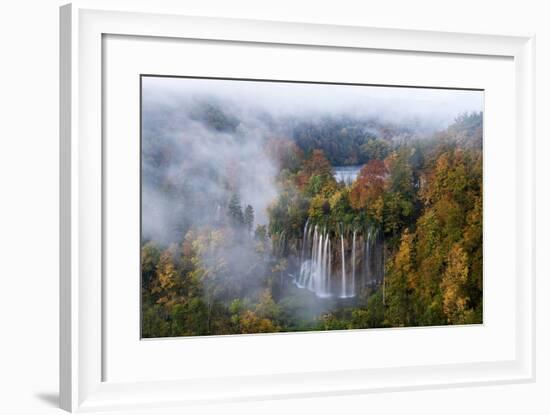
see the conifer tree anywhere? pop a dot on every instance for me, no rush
(235, 211)
(249, 218)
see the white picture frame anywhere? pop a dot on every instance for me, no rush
(84, 25)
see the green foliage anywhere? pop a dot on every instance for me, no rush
(235, 211)
(399, 201)
(345, 140)
(424, 195)
(467, 130)
(373, 316)
(289, 212)
(436, 277)
(150, 255)
(286, 153)
(399, 281)
(213, 116)
(248, 218)
(376, 149)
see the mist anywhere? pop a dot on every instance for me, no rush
(185, 150)
(181, 155)
(222, 186)
(434, 108)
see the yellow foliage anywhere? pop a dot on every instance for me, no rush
(166, 271)
(251, 323)
(456, 275)
(316, 208)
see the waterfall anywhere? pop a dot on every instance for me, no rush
(281, 243)
(304, 242)
(326, 267)
(316, 261)
(316, 257)
(343, 295)
(353, 264)
(329, 267)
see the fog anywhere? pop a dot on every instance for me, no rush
(434, 107)
(207, 137)
(181, 157)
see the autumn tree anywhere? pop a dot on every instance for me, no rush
(473, 245)
(399, 199)
(150, 255)
(167, 279)
(455, 301)
(398, 283)
(424, 194)
(375, 149)
(368, 189)
(316, 173)
(261, 318)
(288, 213)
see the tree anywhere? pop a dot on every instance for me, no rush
(286, 153)
(340, 209)
(150, 255)
(400, 197)
(319, 208)
(260, 234)
(401, 178)
(261, 318)
(452, 286)
(316, 173)
(249, 218)
(375, 149)
(473, 245)
(166, 279)
(235, 211)
(214, 117)
(423, 196)
(250, 322)
(467, 130)
(288, 213)
(399, 283)
(318, 164)
(369, 186)
(372, 316)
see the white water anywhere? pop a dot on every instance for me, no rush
(366, 266)
(344, 288)
(315, 271)
(316, 262)
(353, 263)
(346, 174)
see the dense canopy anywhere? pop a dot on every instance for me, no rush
(400, 244)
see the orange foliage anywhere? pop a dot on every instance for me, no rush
(369, 185)
(316, 165)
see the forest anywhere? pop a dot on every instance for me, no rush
(256, 221)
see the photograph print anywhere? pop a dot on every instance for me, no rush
(284, 206)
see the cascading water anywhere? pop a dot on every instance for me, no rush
(367, 257)
(353, 263)
(317, 261)
(343, 260)
(304, 243)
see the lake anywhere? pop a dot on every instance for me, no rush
(346, 174)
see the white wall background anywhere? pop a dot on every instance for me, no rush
(29, 197)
